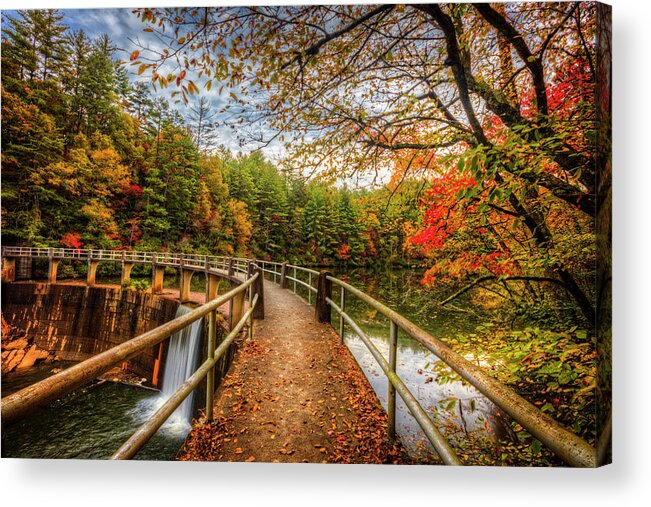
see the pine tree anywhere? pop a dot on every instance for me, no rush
(202, 124)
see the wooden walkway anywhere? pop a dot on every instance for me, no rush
(293, 395)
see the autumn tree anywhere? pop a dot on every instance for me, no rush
(503, 92)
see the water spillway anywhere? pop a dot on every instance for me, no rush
(181, 363)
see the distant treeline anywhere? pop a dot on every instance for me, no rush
(91, 160)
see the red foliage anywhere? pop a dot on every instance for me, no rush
(344, 251)
(440, 221)
(132, 190)
(71, 240)
(572, 84)
(447, 218)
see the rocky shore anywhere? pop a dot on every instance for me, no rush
(19, 351)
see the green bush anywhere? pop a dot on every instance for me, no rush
(137, 285)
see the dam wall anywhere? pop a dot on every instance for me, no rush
(75, 322)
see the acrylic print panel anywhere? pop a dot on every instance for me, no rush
(324, 234)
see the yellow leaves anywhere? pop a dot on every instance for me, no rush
(192, 88)
(180, 77)
(142, 68)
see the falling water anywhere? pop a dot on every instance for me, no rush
(182, 357)
(181, 363)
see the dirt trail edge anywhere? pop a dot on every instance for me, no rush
(293, 394)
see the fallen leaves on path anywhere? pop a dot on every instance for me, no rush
(294, 384)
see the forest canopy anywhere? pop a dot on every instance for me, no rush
(480, 119)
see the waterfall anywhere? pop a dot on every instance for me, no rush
(182, 358)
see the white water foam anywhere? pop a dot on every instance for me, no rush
(181, 363)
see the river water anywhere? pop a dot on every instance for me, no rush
(92, 423)
(457, 408)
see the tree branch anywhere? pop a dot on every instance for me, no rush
(314, 49)
(533, 63)
(507, 279)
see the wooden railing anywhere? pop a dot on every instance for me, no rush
(565, 444)
(572, 449)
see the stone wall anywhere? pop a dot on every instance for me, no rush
(76, 322)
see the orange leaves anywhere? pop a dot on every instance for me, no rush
(134, 55)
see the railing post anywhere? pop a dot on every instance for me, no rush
(231, 267)
(92, 270)
(309, 292)
(185, 282)
(250, 330)
(52, 267)
(342, 305)
(283, 276)
(8, 269)
(157, 278)
(210, 378)
(391, 404)
(258, 288)
(294, 279)
(324, 290)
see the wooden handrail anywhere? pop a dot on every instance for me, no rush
(27, 400)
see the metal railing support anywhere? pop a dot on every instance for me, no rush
(324, 292)
(342, 302)
(210, 378)
(309, 292)
(294, 279)
(258, 290)
(283, 276)
(391, 402)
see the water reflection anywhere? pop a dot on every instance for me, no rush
(456, 408)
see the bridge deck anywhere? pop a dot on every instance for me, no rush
(293, 395)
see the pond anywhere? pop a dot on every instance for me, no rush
(91, 423)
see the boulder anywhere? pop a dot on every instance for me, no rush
(32, 356)
(13, 360)
(20, 343)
